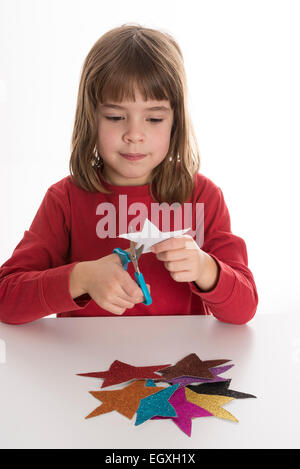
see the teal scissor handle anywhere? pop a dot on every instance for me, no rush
(141, 282)
(125, 259)
(124, 256)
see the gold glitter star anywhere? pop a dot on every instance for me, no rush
(212, 403)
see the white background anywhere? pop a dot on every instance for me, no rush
(242, 64)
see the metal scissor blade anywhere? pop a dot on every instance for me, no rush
(135, 255)
(139, 251)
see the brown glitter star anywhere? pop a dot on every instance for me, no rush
(191, 365)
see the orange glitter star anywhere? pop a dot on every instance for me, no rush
(125, 401)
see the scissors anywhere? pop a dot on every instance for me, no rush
(133, 257)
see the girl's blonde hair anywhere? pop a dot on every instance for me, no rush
(123, 57)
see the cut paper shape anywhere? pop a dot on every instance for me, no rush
(187, 380)
(151, 235)
(120, 372)
(185, 411)
(211, 403)
(125, 401)
(192, 365)
(219, 389)
(156, 405)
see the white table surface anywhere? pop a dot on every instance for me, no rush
(43, 403)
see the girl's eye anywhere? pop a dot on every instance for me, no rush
(117, 119)
(114, 119)
(154, 121)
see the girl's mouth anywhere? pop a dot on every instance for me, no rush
(133, 156)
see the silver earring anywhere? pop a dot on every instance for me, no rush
(97, 160)
(171, 158)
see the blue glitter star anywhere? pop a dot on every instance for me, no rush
(150, 382)
(156, 405)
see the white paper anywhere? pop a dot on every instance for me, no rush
(151, 235)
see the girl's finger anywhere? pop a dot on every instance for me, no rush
(177, 266)
(174, 255)
(175, 243)
(136, 297)
(112, 308)
(130, 288)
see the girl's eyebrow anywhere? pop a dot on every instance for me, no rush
(154, 108)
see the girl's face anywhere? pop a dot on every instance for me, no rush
(132, 127)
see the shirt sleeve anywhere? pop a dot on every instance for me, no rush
(34, 282)
(234, 299)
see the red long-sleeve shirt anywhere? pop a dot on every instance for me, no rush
(69, 227)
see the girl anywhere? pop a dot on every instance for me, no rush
(133, 150)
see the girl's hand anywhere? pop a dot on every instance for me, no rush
(186, 262)
(107, 283)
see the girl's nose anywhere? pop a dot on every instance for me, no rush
(133, 133)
